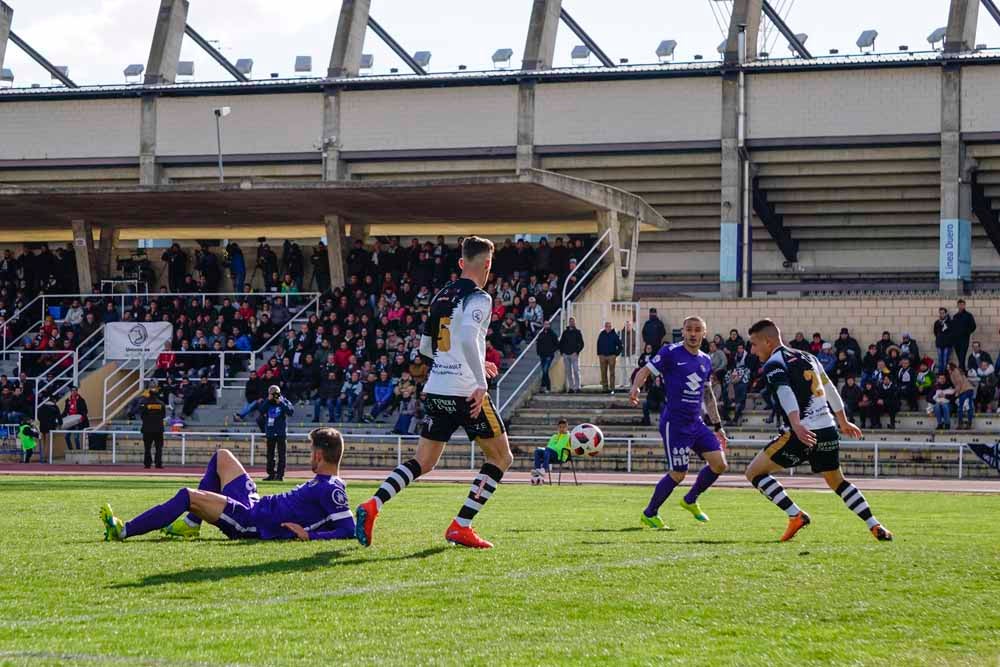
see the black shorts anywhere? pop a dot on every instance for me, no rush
(446, 414)
(788, 451)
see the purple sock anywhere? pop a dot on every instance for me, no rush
(159, 516)
(209, 482)
(705, 479)
(660, 494)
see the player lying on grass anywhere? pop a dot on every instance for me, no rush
(805, 397)
(227, 498)
(686, 372)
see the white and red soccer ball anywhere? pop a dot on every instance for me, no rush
(586, 440)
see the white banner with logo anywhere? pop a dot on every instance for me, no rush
(128, 340)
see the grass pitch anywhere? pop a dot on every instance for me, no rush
(573, 580)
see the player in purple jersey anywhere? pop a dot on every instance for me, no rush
(686, 372)
(227, 498)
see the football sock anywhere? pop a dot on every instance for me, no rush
(856, 502)
(706, 478)
(483, 486)
(398, 479)
(772, 488)
(209, 482)
(159, 516)
(660, 494)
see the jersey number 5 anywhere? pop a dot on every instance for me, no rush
(444, 334)
(817, 387)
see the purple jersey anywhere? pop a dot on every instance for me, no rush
(320, 506)
(685, 378)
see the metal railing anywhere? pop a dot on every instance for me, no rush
(133, 374)
(501, 404)
(398, 440)
(88, 355)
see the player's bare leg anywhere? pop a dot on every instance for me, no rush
(760, 474)
(856, 502)
(499, 458)
(715, 465)
(424, 460)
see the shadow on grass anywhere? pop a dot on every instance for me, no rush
(306, 563)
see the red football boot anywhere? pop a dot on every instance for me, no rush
(465, 536)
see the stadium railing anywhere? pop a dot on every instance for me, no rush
(398, 440)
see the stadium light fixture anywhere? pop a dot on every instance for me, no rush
(980, 47)
(867, 40)
(422, 58)
(937, 36)
(721, 48)
(62, 69)
(244, 66)
(904, 47)
(134, 71)
(666, 49)
(834, 52)
(367, 61)
(502, 57)
(580, 55)
(7, 76)
(303, 64)
(185, 68)
(220, 113)
(802, 37)
(698, 56)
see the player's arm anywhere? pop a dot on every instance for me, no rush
(477, 315)
(776, 376)
(712, 410)
(837, 405)
(638, 383)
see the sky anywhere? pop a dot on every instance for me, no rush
(97, 39)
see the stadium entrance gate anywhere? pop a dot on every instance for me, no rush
(590, 319)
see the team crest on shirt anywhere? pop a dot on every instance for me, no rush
(656, 359)
(339, 497)
(477, 316)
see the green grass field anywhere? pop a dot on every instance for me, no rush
(572, 580)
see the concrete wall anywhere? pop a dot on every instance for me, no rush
(845, 103)
(980, 99)
(429, 118)
(290, 123)
(628, 111)
(69, 129)
(867, 318)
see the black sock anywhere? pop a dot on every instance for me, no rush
(483, 486)
(398, 479)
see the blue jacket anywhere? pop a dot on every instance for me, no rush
(383, 391)
(609, 344)
(275, 416)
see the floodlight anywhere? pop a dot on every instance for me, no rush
(867, 39)
(244, 66)
(62, 69)
(721, 48)
(580, 52)
(7, 75)
(623, 61)
(303, 64)
(666, 49)
(904, 47)
(422, 58)
(802, 37)
(367, 61)
(134, 70)
(501, 57)
(834, 52)
(185, 68)
(697, 56)
(937, 36)
(222, 112)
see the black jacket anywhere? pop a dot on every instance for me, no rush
(571, 341)
(944, 335)
(653, 332)
(963, 324)
(548, 344)
(851, 395)
(609, 344)
(152, 411)
(49, 418)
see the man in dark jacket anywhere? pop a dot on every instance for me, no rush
(943, 339)
(609, 346)
(49, 419)
(152, 410)
(176, 261)
(546, 347)
(570, 346)
(906, 382)
(886, 402)
(653, 331)
(963, 325)
(329, 390)
(846, 343)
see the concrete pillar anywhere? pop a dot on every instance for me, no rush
(336, 251)
(624, 236)
(165, 50)
(6, 17)
(110, 236)
(955, 245)
(731, 214)
(746, 13)
(963, 16)
(540, 46)
(526, 125)
(148, 169)
(334, 169)
(345, 58)
(83, 246)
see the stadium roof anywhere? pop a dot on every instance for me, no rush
(505, 76)
(534, 195)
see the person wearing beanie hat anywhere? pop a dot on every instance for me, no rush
(845, 343)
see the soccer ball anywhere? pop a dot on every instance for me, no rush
(586, 439)
(536, 478)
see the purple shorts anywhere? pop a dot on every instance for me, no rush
(236, 521)
(680, 441)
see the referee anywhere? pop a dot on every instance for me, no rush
(152, 411)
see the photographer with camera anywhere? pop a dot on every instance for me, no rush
(321, 267)
(273, 421)
(207, 264)
(237, 265)
(176, 261)
(294, 261)
(267, 263)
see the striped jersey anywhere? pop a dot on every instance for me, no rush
(459, 312)
(803, 374)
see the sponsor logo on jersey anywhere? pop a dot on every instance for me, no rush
(693, 382)
(477, 316)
